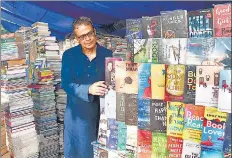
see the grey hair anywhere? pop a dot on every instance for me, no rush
(82, 21)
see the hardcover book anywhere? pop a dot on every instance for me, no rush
(174, 24)
(144, 114)
(151, 27)
(131, 110)
(200, 23)
(175, 119)
(175, 146)
(158, 116)
(225, 88)
(159, 145)
(144, 144)
(173, 51)
(158, 81)
(222, 20)
(191, 149)
(190, 84)
(126, 77)
(144, 81)
(207, 85)
(193, 122)
(213, 131)
(174, 88)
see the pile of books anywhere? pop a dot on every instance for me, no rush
(22, 137)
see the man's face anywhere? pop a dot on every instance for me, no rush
(110, 66)
(86, 36)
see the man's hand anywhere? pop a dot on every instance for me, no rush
(98, 88)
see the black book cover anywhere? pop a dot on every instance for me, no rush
(190, 84)
(131, 109)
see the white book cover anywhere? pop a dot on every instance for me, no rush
(110, 104)
(225, 88)
(173, 51)
(131, 141)
(191, 149)
(102, 105)
(207, 85)
(102, 133)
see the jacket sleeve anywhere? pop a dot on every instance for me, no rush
(80, 91)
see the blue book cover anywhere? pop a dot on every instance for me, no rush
(112, 134)
(227, 141)
(213, 129)
(211, 154)
(144, 114)
(144, 80)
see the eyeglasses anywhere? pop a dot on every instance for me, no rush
(89, 35)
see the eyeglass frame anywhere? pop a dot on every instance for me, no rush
(89, 34)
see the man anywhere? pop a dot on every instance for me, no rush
(83, 74)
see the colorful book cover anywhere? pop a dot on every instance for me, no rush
(227, 141)
(174, 147)
(222, 20)
(190, 84)
(159, 145)
(146, 50)
(158, 116)
(222, 52)
(100, 153)
(120, 106)
(174, 24)
(158, 81)
(122, 135)
(175, 119)
(112, 134)
(102, 132)
(193, 122)
(126, 77)
(199, 51)
(191, 149)
(207, 85)
(144, 80)
(211, 154)
(174, 88)
(110, 104)
(144, 144)
(225, 88)
(144, 114)
(131, 109)
(213, 131)
(200, 23)
(131, 141)
(110, 71)
(151, 27)
(133, 31)
(173, 51)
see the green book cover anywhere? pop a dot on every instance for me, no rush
(159, 145)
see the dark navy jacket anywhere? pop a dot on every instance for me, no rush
(82, 110)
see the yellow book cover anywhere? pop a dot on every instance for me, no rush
(158, 81)
(175, 119)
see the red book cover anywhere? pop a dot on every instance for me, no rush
(144, 144)
(175, 146)
(222, 20)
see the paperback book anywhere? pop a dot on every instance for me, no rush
(213, 131)
(174, 147)
(159, 145)
(151, 27)
(144, 144)
(190, 84)
(227, 137)
(120, 106)
(193, 122)
(112, 134)
(144, 114)
(131, 110)
(144, 81)
(207, 83)
(158, 115)
(191, 149)
(175, 119)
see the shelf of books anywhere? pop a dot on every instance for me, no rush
(173, 98)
